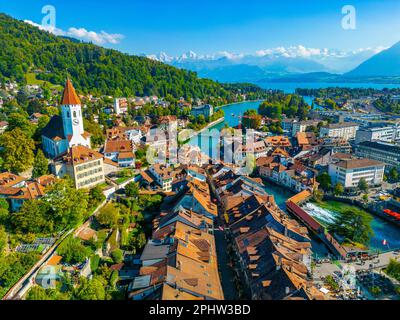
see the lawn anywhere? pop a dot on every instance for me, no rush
(122, 180)
(31, 80)
(338, 207)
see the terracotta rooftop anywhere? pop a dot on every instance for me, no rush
(112, 146)
(8, 179)
(81, 154)
(32, 190)
(69, 95)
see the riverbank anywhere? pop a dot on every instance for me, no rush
(209, 126)
(327, 211)
(234, 103)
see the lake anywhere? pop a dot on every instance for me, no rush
(290, 87)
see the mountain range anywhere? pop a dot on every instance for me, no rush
(295, 64)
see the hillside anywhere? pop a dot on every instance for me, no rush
(92, 68)
(383, 64)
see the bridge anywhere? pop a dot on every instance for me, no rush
(293, 207)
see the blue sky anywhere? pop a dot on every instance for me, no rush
(206, 26)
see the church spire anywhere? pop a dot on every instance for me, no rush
(69, 96)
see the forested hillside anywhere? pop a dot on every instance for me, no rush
(97, 70)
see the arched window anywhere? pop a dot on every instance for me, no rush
(67, 114)
(74, 114)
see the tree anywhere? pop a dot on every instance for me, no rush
(91, 289)
(318, 195)
(73, 251)
(17, 152)
(37, 293)
(4, 213)
(32, 218)
(95, 196)
(339, 189)
(3, 239)
(393, 174)
(20, 120)
(324, 181)
(95, 130)
(42, 122)
(251, 119)
(132, 190)
(363, 185)
(353, 225)
(41, 165)
(393, 269)
(108, 215)
(62, 198)
(117, 256)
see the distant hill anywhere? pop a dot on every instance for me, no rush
(383, 64)
(25, 48)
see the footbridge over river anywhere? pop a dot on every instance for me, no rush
(293, 205)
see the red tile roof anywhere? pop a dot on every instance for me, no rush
(69, 95)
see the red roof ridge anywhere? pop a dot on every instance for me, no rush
(69, 95)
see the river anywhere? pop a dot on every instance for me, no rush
(382, 229)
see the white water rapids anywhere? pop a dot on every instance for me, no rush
(319, 213)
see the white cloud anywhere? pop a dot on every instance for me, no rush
(81, 33)
(304, 52)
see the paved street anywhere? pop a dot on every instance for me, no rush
(226, 273)
(324, 269)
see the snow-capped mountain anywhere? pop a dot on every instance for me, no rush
(268, 63)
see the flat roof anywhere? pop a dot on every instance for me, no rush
(381, 146)
(153, 250)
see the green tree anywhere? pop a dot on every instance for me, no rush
(117, 256)
(393, 269)
(17, 152)
(324, 181)
(4, 211)
(363, 185)
(20, 120)
(353, 225)
(339, 189)
(62, 199)
(3, 239)
(91, 289)
(37, 293)
(132, 190)
(393, 174)
(108, 215)
(32, 218)
(42, 122)
(95, 196)
(40, 166)
(73, 251)
(97, 136)
(251, 119)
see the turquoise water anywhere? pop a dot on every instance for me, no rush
(281, 195)
(382, 229)
(290, 87)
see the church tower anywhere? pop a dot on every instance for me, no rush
(72, 117)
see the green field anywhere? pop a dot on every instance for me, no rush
(31, 80)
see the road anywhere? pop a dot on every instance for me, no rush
(227, 274)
